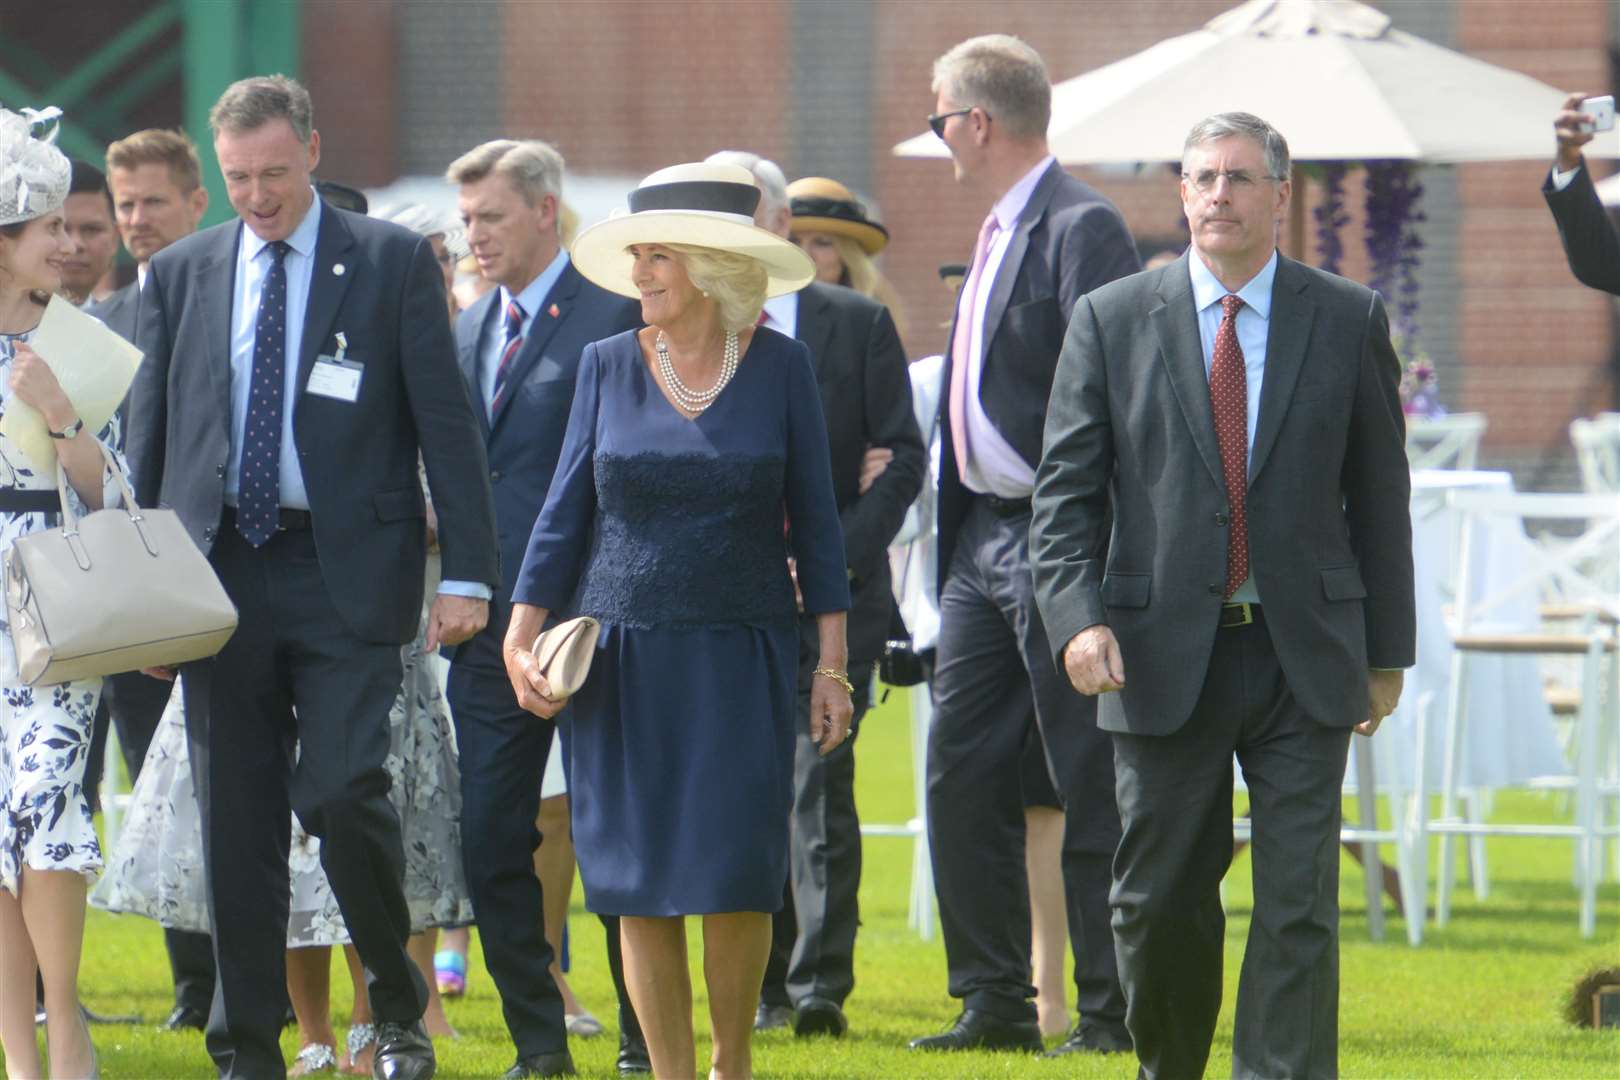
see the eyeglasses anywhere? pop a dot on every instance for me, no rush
(936, 121)
(1239, 179)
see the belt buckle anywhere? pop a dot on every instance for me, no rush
(1234, 615)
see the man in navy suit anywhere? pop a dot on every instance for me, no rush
(299, 370)
(519, 349)
(1047, 240)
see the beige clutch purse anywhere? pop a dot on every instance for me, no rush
(564, 653)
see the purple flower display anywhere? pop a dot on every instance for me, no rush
(1331, 217)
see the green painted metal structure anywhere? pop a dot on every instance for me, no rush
(208, 44)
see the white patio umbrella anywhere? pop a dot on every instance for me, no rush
(1333, 76)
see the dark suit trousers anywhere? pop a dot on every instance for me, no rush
(293, 671)
(503, 756)
(813, 936)
(136, 703)
(1175, 795)
(992, 665)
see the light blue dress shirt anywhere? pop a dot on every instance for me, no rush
(533, 295)
(252, 264)
(1253, 327)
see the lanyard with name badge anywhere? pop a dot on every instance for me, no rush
(336, 376)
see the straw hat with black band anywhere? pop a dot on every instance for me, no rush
(703, 205)
(826, 206)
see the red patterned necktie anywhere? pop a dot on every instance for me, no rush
(1229, 397)
(514, 342)
(961, 342)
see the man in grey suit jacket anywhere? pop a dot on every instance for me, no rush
(1047, 241)
(1237, 414)
(298, 365)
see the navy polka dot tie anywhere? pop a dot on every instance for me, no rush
(1229, 395)
(258, 495)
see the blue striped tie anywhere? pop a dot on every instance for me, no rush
(514, 342)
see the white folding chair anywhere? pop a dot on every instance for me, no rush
(1597, 451)
(922, 867)
(1572, 561)
(1444, 442)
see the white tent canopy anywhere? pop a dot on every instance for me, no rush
(1333, 76)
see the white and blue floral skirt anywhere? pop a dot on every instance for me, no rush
(46, 824)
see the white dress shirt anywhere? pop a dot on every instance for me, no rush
(782, 314)
(993, 466)
(1253, 328)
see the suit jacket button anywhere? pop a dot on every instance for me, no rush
(1220, 519)
(208, 533)
(1215, 590)
(494, 476)
(220, 472)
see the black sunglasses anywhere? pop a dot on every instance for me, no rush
(936, 121)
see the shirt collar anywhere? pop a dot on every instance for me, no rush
(301, 239)
(783, 310)
(535, 291)
(1010, 206)
(1255, 294)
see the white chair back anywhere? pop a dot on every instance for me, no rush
(1444, 442)
(1597, 451)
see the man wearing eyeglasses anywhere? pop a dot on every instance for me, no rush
(1236, 416)
(1046, 241)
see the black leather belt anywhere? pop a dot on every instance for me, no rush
(1005, 507)
(287, 519)
(1239, 615)
(24, 501)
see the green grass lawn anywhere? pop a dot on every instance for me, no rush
(1482, 997)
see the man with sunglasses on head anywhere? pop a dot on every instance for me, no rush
(1047, 240)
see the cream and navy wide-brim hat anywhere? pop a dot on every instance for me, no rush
(699, 204)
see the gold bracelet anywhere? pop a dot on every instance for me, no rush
(838, 677)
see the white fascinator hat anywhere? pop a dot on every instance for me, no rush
(34, 174)
(700, 204)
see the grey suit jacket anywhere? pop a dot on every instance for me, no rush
(120, 311)
(1129, 428)
(359, 459)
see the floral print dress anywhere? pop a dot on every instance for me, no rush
(44, 730)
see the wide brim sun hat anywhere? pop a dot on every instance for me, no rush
(710, 206)
(826, 206)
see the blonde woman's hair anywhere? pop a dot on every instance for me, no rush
(862, 275)
(736, 282)
(567, 224)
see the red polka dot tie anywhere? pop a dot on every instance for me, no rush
(258, 493)
(1229, 396)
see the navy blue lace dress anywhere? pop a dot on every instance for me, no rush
(670, 531)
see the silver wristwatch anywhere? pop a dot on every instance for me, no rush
(70, 431)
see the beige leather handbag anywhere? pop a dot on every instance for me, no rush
(564, 653)
(117, 590)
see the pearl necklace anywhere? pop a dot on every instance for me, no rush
(695, 401)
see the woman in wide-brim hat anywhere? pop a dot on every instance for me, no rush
(835, 230)
(686, 443)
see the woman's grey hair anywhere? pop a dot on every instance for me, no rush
(1248, 125)
(736, 282)
(773, 194)
(249, 104)
(1002, 75)
(533, 167)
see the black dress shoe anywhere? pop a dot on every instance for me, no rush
(560, 1063)
(819, 1016)
(633, 1056)
(404, 1052)
(1092, 1040)
(976, 1030)
(185, 1018)
(771, 1017)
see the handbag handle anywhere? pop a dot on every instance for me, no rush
(70, 520)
